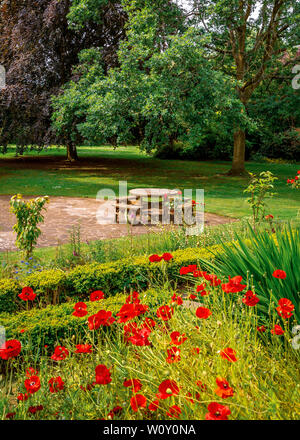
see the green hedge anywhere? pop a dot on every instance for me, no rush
(51, 324)
(56, 286)
(9, 289)
(55, 323)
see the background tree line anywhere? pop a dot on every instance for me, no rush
(208, 81)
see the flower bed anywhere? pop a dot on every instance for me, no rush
(56, 286)
(154, 357)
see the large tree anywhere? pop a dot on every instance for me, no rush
(247, 38)
(163, 91)
(39, 45)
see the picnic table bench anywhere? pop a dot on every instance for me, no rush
(143, 204)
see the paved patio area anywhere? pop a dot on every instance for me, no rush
(63, 213)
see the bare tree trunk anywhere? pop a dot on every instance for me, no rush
(238, 163)
(72, 155)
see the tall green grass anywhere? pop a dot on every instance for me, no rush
(257, 257)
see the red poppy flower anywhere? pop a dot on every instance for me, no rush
(130, 311)
(269, 216)
(174, 412)
(134, 383)
(167, 256)
(97, 295)
(196, 350)
(56, 384)
(177, 299)
(173, 355)
(60, 353)
(133, 298)
(223, 390)
(83, 348)
(155, 258)
(213, 279)
(177, 338)
(278, 273)
(201, 287)
(153, 406)
(165, 312)
(199, 273)
(167, 389)
(138, 401)
(229, 354)
(188, 269)
(31, 372)
(140, 337)
(234, 285)
(277, 330)
(10, 415)
(250, 299)
(32, 384)
(204, 293)
(285, 308)
(103, 317)
(192, 297)
(35, 409)
(22, 397)
(203, 313)
(27, 294)
(149, 323)
(103, 376)
(216, 411)
(261, 328)
(80, 310)
(10, 349)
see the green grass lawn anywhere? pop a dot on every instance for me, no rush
(47, 173)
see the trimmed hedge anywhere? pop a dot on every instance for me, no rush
(53, 324)
(9, 290)
(56, 286)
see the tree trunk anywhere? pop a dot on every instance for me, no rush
(238, 163)
(72, 155)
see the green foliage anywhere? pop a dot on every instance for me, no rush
(54, 286)
(276, 109)
(51, 324)
(8, 295)
(164, 90)
(262, 379)
(260, 188)
(259, 257)
(29, 215)
(48, 285)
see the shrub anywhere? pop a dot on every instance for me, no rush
(260, 256)
(48, 325)
(8, 295)
(53, 286)
(55, 322)
(48, 285)
(28, 215)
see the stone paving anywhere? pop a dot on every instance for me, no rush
(63, 213)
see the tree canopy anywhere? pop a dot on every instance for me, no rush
(38, 48)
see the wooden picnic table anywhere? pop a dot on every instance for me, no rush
(140, 203)
(154, 192)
